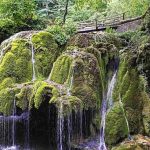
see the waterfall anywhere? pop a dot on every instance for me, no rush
(110, 90)
(106, 99)
(8, 130)
(124, 114)
(32, 59)
(81, 120)
(71, 80)
(60, 126)
(27, 129)
(14, 123)
(69, 121)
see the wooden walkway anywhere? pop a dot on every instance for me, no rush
(102, 25)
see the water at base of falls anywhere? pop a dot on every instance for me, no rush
(9, 148)
(8, 130)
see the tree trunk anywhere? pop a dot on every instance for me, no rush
(66, 11)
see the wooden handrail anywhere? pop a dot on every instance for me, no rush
(111, 22)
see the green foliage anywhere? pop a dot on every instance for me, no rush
(62, 34)
(18, 15)
(19, 11)
(131, 7)
(110, 30)
(98, 5)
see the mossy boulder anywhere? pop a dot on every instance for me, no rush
(82, 40)
(80, 72)
(16, 63)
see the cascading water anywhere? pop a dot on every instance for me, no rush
(27, 129)
(110, 90)
(127, 123)
(60, 126)
(32, 59)
(106, 100)
(14, 123)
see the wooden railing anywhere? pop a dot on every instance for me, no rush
(103, 22)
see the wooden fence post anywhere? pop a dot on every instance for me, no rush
(96, 24)
(124, 16)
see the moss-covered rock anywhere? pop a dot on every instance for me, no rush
(80, 72)
(46, 52)
(61, 69)
(116, 127)
(17, 63)
(66, 104)
(23, 97)
(7, 83)
(7, 96)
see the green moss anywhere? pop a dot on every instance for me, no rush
(46, 52)
(87, 95)
(7, 96)
(68, 104)
(23, 97)
(7, 67)
(146, 113)
(129, 87)
(86, 80)
(17, 63)
(116, 128)
(61, 68)
(7, 82)
(40, 93)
